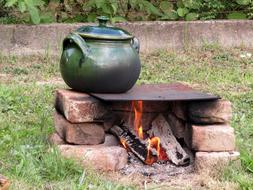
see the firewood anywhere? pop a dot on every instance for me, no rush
(175, 152)
(133, 143)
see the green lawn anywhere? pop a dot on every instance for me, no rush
(26, 105)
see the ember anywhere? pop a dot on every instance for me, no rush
(154, 142)
(123, 142)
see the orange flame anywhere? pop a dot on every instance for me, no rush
(137, 106)
(123, 142)
(150, 158)
(154, 142)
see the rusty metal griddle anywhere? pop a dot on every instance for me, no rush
(158, 92)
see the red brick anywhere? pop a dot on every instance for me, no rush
(4, 183)
(179, 109)
(147, 106)
(79, 133)
(188, 135)
(128, 118)
(111, 119)
(109, 158)
(79, 107)
(209, 112)
(177, 125)
(110, 140)
(213, 138)
(55, 139)
(213, 163)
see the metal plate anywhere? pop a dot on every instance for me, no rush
(158, 92)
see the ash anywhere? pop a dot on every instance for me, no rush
(158, 171)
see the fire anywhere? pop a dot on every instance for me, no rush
(154, 144)
(140, 132)
(150, 158)
(137, 106)
(123, 142)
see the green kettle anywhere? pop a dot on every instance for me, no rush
(100, 59)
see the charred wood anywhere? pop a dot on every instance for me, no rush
(132, 143)
(175, 152)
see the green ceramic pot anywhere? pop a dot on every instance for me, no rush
(100, 59)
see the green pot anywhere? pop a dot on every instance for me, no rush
(100, 59)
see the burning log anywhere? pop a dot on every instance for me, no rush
(161, 128)
(133, 143)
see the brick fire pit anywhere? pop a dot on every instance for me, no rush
(201, 127)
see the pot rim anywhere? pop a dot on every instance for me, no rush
(104, 37)
(103, 31)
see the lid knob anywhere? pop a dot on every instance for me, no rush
(102, 20)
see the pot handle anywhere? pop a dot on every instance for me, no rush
(79, 41)
(135, 44)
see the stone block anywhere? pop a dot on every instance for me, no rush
(6, 36)
(111, 119)
(79, 133)
(147, 106)
(188, 135)
(99, 157)
(55, 139)
(210, 112)
(213, 138)
(110, 140)
(129, 119)
(177, 125)
(79, 107)
(179, 109)
(215, 162)
(4, 183)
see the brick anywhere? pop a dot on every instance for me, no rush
(147, 106)
(188, 135)
(110, 140)
(214, 162)
(128, 118)
(4, 183)
(79, 133)
(99, 157)
(213, 138)
(55, 139)
(110, 119)
(209, 112)
(79, 107)
(179, 109)
(177, 125)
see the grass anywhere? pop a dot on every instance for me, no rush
(222, 72)
(26, 106)
(25, 123)
(26, 157)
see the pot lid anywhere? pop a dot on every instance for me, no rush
(103, 31)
